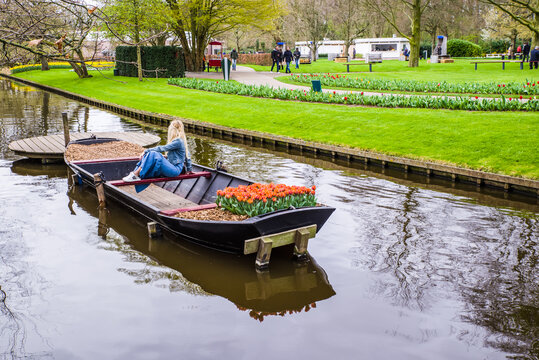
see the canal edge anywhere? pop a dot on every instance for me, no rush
(306, 148)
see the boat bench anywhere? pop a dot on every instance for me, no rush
(155, 180)
(358, 63)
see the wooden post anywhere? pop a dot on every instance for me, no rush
(300, 244)
(102, 228)
(154, 230)
(66, 128)
(100, 189)
(263, 254)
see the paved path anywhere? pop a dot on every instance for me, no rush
(248, 76)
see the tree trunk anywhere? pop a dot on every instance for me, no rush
(44, 63)
(415, 40)
(139, 63)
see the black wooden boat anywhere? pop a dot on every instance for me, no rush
(166, 197)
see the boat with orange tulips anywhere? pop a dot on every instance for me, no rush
(270, 215)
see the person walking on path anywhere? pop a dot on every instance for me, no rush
(276, 58)
(534, 58)
(234, 58)
(526, 52)
(288, 56)
(297, 55)
(153, 164)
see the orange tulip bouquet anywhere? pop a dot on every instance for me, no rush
(257, 199)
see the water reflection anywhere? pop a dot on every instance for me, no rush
(288, 286)
(432, 271)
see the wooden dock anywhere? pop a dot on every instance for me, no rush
(52, 146)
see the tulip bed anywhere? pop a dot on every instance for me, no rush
(529, 87)
(257, 199)
(390, 101)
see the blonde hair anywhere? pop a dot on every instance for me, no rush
(175, 131)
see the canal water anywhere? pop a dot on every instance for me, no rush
(402, 270)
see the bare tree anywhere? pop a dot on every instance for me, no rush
(50, 30)
(349, 20)
(524, 12)
(391, 11)
(312, 17)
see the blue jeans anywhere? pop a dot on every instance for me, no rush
(233, 64)
(288, 67)
(154, 164)
(297, 63)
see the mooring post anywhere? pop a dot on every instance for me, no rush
(263, 254)
(66, 128)
(154, 230)
(100, 189)
(102, 228)
(300, 244)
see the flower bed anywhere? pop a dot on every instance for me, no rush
(257, 199)
(60, 65)
(529, 87)
(390, 101)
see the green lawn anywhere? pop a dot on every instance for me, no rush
(459, 71)
(497, 142)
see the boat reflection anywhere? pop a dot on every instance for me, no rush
(287, 288)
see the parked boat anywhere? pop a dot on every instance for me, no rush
(165, 197)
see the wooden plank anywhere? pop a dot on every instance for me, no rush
(37, 147)
(45, 144)
(159, 198)
(279, 239)
(186, 209)
(155, 180)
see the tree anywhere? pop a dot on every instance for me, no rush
(414, 10)
(51, 30)
(349, 21)
(135, 22)
(196, 22)
(524, 12)
(312, 17)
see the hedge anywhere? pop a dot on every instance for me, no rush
(168, 58)
(463, 48)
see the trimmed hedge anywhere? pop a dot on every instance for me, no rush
(463, 48)
(168, 58)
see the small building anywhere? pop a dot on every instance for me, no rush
(390, 48)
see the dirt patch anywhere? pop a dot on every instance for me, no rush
(109, 150)
(215, 214)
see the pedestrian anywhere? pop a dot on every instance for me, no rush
(153, 164)
(534, 58)
(234, 58)
(297, 55)
(276, 58)
(354, 53)
(526, 52)
(288, 56)
(405, 53)
(510, 52)
(519, 49)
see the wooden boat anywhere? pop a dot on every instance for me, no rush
(166, 197)
(288, 287)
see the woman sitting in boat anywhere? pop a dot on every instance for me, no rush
(153, 164)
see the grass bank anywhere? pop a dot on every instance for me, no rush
(504, 143)
(459, 71)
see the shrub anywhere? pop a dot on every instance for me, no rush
(425, 46)
(168, 58)
(463, 48)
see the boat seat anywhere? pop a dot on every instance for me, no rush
(154, 180)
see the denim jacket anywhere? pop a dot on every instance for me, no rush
(175, 153)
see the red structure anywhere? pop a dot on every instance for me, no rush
(215, 60)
